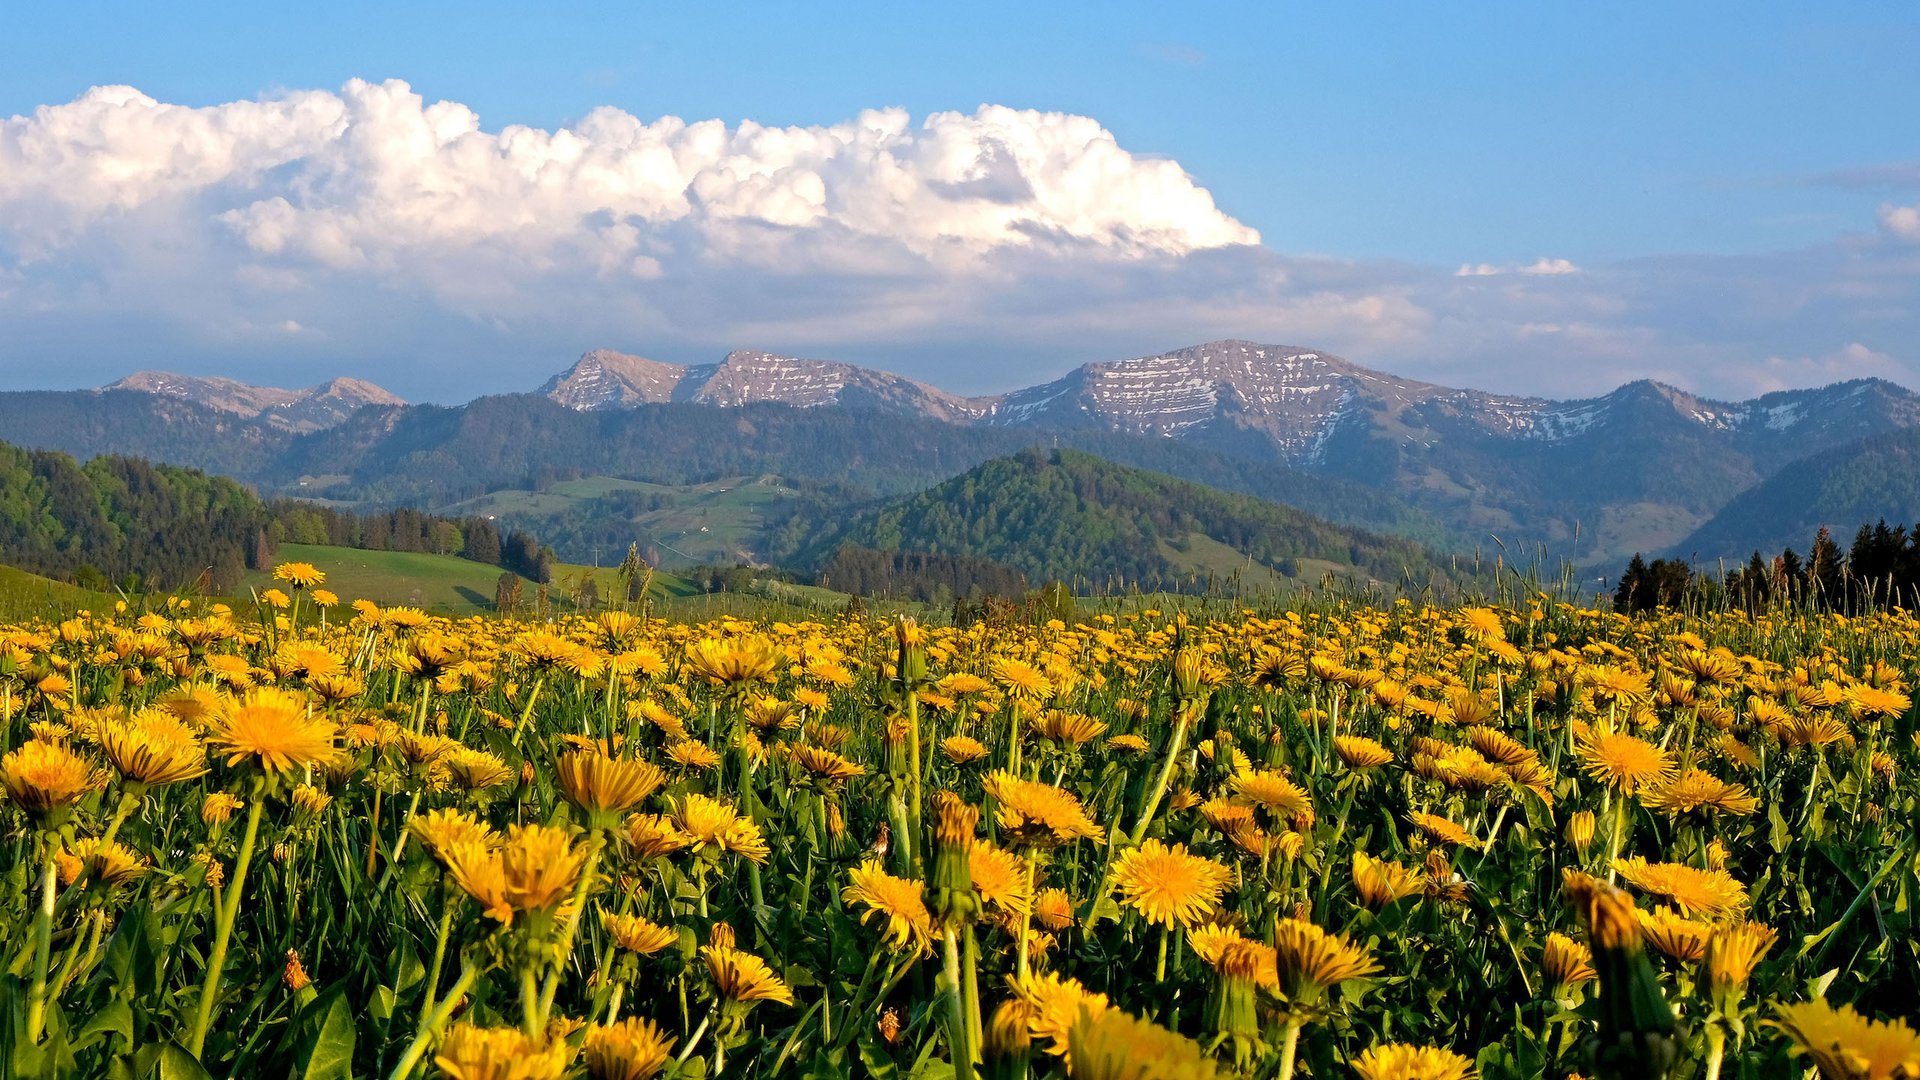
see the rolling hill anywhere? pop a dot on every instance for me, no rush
(1842, 489)
(1100, 527)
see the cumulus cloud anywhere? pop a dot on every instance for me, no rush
(375, 176)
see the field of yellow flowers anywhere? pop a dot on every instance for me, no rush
(297, 838)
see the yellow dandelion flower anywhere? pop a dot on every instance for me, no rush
(477, 1053)
(153, 747)
(1379, 882)
(1276, 793)
(1055, 1004)
(1624, 761)
(273, 731)
(1566, 962)
(1400, 1061)
(440, 830)
(1021, 680)
(300, 575)
(1847, 1046)
(1309, 960)
(899, 902)
(733, 662)
(1360, 752)
(711, 823)
(1038, 814)
(603, 786)
(1443, 831)
(636, 934)
(742, 977)
(654, 835)
(1714, 893)
(46, 779)
(633, 1049)
(1112, 1045)
(1000, 877)
(1674, 935)
(963, 749)
(1699, 791)
(1167, 885)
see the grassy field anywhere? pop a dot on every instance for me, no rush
(717, 522)
(434, 582)
(23, 595)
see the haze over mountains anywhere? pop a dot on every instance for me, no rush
(1639, 469)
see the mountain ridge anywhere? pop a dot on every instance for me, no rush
(310, 409)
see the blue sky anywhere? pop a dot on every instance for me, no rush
(1725, 183)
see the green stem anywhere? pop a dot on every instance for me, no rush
(223, 929)
(42, 948)
(960, 1047)
(418, 1047)
(572, 927)
(1619, 828)
(1160, 782)
(1026, 918)
(1289, 1046)
(439, 960)
(1716, 1048)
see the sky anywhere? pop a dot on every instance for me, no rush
(452, 200)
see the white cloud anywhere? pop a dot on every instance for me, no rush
(1901, 221)
(1850, 361)
(1539, 267)
(376, 177)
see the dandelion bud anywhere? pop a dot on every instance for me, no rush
(1189, 671)
(1635, 1035)
(1716, 855)
(913, 653)
(1580, 831)
(1239, 966)
(836, 821)
(721, 936)
(950, 882)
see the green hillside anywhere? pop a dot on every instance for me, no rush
(1102, 527)
(1861, 483)
(438, 582)
(683, 525)
(23, 594)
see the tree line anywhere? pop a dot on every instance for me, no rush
(1880, 567)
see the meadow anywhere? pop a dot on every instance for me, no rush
(301, 837)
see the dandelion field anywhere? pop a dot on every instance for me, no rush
(305, 839)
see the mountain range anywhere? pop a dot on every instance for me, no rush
(1640, 469)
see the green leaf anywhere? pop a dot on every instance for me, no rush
(115, 1019)
(177, 1064)
(326, 1045)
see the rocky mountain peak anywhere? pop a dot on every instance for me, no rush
(311, 409)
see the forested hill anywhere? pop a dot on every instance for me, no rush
(1874, 479)
(124, 522)
(1072, 517)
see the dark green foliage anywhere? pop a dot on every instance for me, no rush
(1069, 516)
(1866, 480)
(929, 577)
(122, 522)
